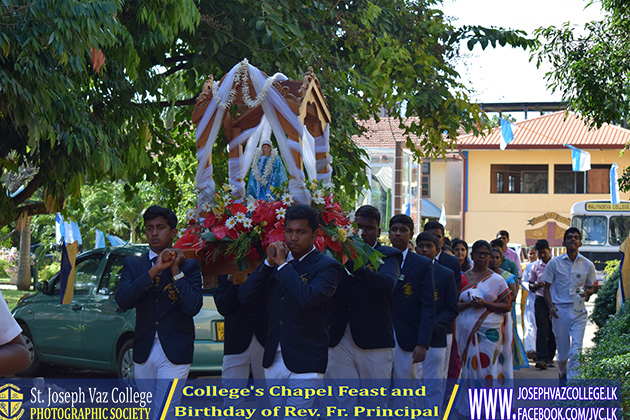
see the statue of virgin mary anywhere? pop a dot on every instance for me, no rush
(267, 172)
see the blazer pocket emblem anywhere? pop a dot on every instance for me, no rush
(407, 290)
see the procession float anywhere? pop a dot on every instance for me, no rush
(234, 223)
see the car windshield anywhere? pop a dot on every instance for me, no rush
(592, 228)
(619, 229)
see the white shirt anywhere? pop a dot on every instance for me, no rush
(566, 276)
(152, 255)
(9, 328)
(405, 252)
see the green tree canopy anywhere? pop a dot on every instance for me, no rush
(104, 89)
(590, 66)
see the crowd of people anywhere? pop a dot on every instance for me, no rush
(429, 311)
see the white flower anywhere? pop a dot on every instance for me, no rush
(318, 197)
(327, 185)
(230, 223)
(349, 230)
(206, 207)
(240, 217)
(247, 222)
(251, 203)
(360, 232)
(351, 216)
(191, 214)
(287, 199)
(280, 213)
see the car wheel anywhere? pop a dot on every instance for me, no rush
(125, 363)
(35, 363)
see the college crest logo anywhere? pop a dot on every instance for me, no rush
(11, 402)
(407, 289)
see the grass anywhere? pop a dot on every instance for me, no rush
(12, 296)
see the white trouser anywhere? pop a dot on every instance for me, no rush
(357, 366)
(569, 331)
(433, 372)
(403, 364)
(237, 367)
(279, 374)
(155, 374)
(404, 375)
(529, 318)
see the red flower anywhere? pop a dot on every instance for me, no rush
(273, 235)
(334, 245)
(266, 212)
(187, 241)
(233, 233)
(220, 231)
(320, 243)
(238, 208)
(210, 221)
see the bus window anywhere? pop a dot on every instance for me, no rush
(592, 229)
(619, 229)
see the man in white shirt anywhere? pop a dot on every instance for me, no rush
(569, 282)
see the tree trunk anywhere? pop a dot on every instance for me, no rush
(24, 263)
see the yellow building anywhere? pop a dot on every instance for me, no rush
(529, 188)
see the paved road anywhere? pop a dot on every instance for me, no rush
(552, 373)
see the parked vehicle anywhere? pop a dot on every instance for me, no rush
(603, 226)
(93, 331)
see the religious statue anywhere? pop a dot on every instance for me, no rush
(267, 172)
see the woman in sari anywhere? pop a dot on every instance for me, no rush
(519, 357)
(484, 328)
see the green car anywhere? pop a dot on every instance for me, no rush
(92, 331)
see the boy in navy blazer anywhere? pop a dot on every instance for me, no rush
(245, 334)
(165, 289)
(452, 263)
(414, 307)
(296, 282)
(434, 369)
(361, 320)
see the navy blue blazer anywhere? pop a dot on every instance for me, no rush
(445, 304)
(364, 299)
(452, 264)
(161, 306)
(414, 308)
(297, 299)
(241, 321)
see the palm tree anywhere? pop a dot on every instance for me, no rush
(24, 261)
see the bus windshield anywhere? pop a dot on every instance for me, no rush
(592, 228)
(619, 229)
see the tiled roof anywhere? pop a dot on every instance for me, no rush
(550, 132)
(385, 133)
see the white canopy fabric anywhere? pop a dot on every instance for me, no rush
(272, 103)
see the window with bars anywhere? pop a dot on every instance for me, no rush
(426, 179)
(595, 181)
(519, 179)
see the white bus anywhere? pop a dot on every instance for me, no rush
(604, 226)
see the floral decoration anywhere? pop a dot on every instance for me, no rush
(240, 230)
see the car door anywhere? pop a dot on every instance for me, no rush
(103, 320)
(57, 329)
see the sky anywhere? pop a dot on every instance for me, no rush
(505, 74)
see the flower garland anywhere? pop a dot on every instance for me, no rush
(238, 233)
(241, 78)
(263, 179)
